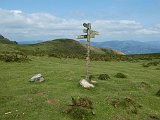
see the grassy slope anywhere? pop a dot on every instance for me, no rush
(65, 46)
(5, 40)
(29, 101)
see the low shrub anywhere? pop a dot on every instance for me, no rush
(120, 75)
(154, 117)
(103, 77)
(81, 109)
(142, 85)
(153, 63)
(127, 103)
(12, 57)
(145, 65)
(158, 93)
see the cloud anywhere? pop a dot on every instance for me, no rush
(32, 26)
(148, 32)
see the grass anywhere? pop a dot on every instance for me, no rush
(20, 99)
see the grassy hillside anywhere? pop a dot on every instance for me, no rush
(61, 48)
(22, 100)
(4, 40)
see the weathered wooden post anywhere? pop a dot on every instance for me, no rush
(90, 34)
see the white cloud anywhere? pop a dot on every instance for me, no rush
(148, 32)
(21, 26)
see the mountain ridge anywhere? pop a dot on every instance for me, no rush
(130, 46)
(4, 40)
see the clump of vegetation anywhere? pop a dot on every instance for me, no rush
(142, 85)
(103, 77)
(13, 57)
(153, 63)
(81, 108)
(158, 93)
(127, 103)
(154, 117)
(120, 75)
(157, 68)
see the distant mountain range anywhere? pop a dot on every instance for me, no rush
(30, 42)
(130, 46)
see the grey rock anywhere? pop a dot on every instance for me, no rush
(37, 78)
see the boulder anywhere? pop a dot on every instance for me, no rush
(84, 83)
(37, 78)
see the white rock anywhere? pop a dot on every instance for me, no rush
(94, 82)
(86, 84)
(37, 78)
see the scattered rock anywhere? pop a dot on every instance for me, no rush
(37, 78)
(94, 82)
(84, 83)
(8, 113)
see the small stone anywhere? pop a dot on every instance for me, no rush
(37, 78)
(8, 113)
(84, 83)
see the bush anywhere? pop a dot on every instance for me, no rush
(158, 93)
(81, 109)
(153, 63)
(120, 75)
(103, 77)
(142, 85)
(127, 103)
(154, 117)
(11, 57)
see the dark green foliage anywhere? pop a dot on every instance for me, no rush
(145, 65)
(120, 75)
(13, 57)
(157, 68)
(103, 77)
(153, 63)
(158, 93)
(127, 103)
(142, 85)
(154, 117)
(81, 109)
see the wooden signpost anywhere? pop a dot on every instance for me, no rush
(90, 34)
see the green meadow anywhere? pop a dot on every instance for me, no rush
(23, 100)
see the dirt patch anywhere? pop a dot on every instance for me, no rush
(52, 101)
(42, 94)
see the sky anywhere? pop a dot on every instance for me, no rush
(28, 20)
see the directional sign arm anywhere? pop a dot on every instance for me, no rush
(81, 36)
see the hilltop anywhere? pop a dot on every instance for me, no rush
(57, 47)
(4, 40)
